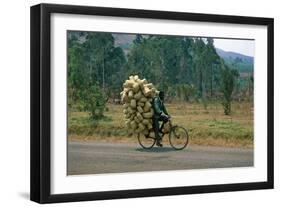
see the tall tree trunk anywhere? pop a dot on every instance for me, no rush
(211, 86)
(200, 82)
(103, 83)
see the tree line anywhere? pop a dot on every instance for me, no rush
(186, 68)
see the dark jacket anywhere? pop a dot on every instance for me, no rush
(158, 107)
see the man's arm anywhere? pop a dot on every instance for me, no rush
(156, 106)
(165, 110)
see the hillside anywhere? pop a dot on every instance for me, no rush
(233, 55)
(243, 63)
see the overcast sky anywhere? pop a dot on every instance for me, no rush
(245, 47)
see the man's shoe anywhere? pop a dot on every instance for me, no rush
(159, 144)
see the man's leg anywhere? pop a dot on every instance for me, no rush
(163, 123)
(155, 124)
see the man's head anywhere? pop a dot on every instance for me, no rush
(161, 95)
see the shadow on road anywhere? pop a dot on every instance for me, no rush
(156, 149)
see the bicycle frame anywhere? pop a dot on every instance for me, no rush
(161, 128)
(173, 136)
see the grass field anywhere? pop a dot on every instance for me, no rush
(207, 126)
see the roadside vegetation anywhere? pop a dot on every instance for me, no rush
(207, 126)
(207, 94)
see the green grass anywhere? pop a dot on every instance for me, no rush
(221, 129)
(206, 126)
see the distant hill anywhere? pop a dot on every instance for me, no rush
(233, 55)
(243, 63)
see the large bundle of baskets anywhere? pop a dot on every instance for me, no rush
(136, 97)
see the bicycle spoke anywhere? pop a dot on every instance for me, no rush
(146, 142)
(178, 138)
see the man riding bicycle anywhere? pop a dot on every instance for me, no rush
(160, 114)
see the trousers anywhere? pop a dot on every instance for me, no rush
(155, 125)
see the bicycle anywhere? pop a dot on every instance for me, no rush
(178, 137)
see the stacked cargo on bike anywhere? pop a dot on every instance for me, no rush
(136, 97)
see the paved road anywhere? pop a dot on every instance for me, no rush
(93, 157)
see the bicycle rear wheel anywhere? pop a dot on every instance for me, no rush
(178, 137)
(146, 142)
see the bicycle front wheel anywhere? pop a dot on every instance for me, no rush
(146, 142)
(178, 137)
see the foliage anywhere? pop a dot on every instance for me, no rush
(93, 101)
(185, 92)
(228, 77)
(211, 128)
(186, 68)
(94, 70)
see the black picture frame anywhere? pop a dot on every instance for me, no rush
(40, 184)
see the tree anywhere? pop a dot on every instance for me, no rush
(97, 47)
(198, 57)
(138, 39)
(77, 70)
(115, 61)
(228, 77)
(93, 101)
(206, 61)
(187, 68)
(94, 67)
(211, 60)
(164, 60)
